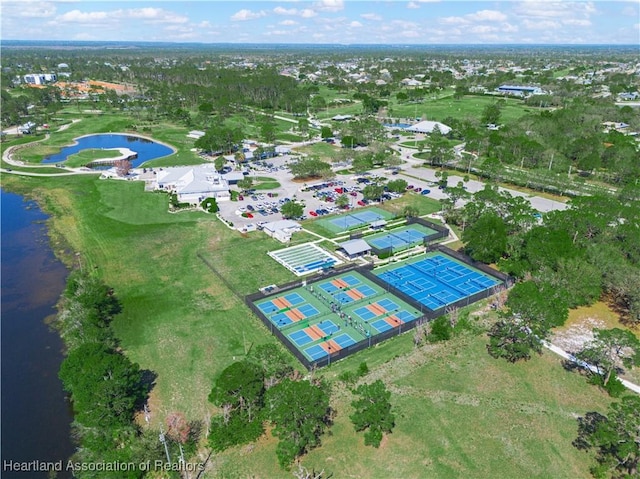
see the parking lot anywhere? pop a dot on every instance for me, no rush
(318, 197)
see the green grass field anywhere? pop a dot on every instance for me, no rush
(459, 412)
(86, 156)
(469, 107)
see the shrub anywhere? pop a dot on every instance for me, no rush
(441, 330)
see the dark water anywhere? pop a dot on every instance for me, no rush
(146, 149)
(35, 416)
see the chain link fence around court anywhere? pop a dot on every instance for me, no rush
(366, 271)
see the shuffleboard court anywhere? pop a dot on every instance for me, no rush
(305, 258)
(436, 280)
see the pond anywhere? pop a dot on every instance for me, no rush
(146, 149)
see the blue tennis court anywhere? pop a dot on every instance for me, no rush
(352, 220)
(294, 298)
(400, 238)
(300, 338)
(315, 352)
(328, 327)
(344, 340)
(308, 310)
(437, 281)
(281, 320)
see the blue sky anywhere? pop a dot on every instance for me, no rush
(327, 21)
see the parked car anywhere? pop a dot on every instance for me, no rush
(417, 190)
(361, 203)
(353, 193)
(410, 187)
(425, 192)
(313, 213)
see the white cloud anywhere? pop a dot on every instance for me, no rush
(371, 16)
(413, 5)
(329, 5)
(486, 16)
(541, 24)
(155, 15)
(244, 14)
(355, 24)
(410, 34)
(577, 22)
(546, 9)
(287, 23)
(285, 11)
(453, 21)
(483, 29)
(28, 9)
(308, 13)
(76, 16)
(146, 15)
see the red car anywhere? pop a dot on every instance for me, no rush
(313, 213)
(410, 187)
(249, 215)
(361, 203)
(353, 193)
(417, 190)
(338, 190)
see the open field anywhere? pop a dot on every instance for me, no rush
(459, 412)
(469, 107)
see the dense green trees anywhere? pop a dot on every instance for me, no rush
(300, 412)
(239, 392)
(105, 386)
(397, 186)
(614, 438)
(220, 139)
(292, 209)
(486, 239)
(372, 191)
(311, 168)
(610, 349)
(372, 412)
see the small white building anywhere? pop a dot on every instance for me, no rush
(193, 184)
(282, 230)
(427, 127)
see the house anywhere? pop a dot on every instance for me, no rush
(282, 230)
(428, 127)
(519, 90)
(354, 248)
(193, 184)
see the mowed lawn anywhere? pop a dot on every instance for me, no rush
(459, 412)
